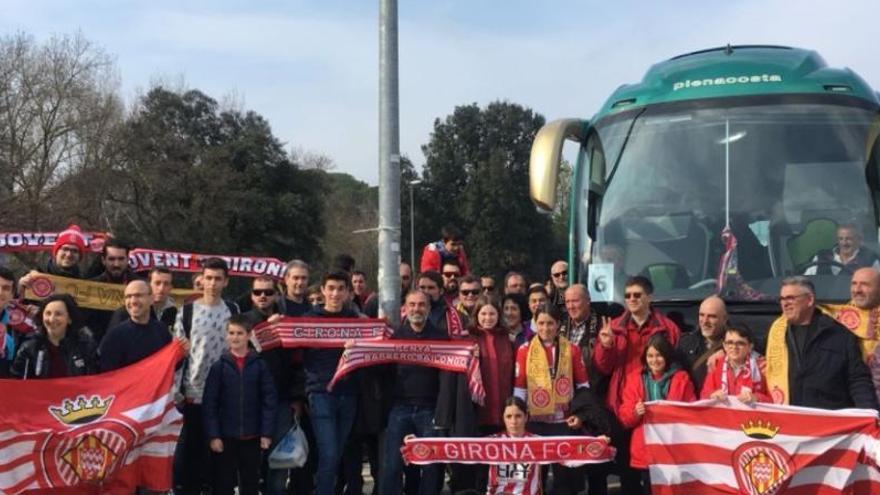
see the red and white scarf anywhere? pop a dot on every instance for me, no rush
(20, 242)
(243, 266)
(453, 323)
(754, 372)
(455, 356)
(318, 332)
(571, 451)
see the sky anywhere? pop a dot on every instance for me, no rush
(311, 67)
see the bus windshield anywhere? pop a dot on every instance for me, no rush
(732, 196)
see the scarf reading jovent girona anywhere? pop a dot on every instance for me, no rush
(446, 355)
(710, 448)
(571, 451)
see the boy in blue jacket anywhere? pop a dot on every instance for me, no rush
(239, 412)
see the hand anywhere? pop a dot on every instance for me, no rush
(604, 438)
(349, 343)
(409, 437)
(216, 445)
(719, 395)
(274, 318)
(574, 422)
(265, 443)
(184, 343)
(476, 351)
(299, 408)
(606, 336)
(746, 397)
(712, 362)
(25, 281)
(640, 409)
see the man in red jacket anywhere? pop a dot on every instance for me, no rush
(450, 247)
(621, 344)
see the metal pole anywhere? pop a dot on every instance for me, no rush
(412, 229)
(389, 165)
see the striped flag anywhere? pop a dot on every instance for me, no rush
(104, 433)
(711, 448)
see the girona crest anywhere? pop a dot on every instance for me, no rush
(761, 467)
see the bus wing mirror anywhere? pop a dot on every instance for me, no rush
(545, 157)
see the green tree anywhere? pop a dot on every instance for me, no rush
(199, 178)
(476, 176)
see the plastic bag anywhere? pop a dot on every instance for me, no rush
(292, 450)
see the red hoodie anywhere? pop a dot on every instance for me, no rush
(680, 389)
(624, 357)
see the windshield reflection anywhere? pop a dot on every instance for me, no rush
(739, 196)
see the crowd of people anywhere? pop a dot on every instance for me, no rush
(551, 366)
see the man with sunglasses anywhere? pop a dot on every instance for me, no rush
(451, 273)
(469, 290)
(558, 283)
(618, 356)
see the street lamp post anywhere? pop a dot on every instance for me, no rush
(412, 225)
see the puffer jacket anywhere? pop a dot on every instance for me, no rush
(78, 350)
(239, 404)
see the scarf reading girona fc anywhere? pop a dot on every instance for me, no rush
(571, 451)
(456, 356)
(707, 447)
(104, 433)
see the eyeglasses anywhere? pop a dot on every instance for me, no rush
(451, 274)
(633, 295)
(469, 292)
(560, 274)
(489, 288)
(263, 292)
(783, 299)
(735, 343)
(136, 294)
(428, 287)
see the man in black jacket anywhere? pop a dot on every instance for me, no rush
(695, 348)
(812, 360)
(414, 398)
(137, 337)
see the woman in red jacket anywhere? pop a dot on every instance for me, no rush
(496, 364)
(661, 378)
(740, 373)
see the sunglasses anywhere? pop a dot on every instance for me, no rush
(451, 274)
(560, 274)
(633, 295)
(469, 292)
(263, 292)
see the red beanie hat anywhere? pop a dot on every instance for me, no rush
(72, 235)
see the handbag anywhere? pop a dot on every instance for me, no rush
(292, 450)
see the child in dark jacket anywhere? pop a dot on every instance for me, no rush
(239, 411)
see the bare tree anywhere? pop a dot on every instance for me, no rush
(59, 110)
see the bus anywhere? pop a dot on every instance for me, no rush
(722, 171)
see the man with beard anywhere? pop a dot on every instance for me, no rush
(861, 315)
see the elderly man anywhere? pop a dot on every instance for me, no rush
(848, 254)
(861, 315)
(558, 283)
(812, 360)
(697, 347)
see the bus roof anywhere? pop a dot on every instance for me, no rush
(737, 71)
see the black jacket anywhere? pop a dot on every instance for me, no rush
(691, 347)
(78, 350)
(239, 404)
(320, 364)
(288, 375)
(832, 375)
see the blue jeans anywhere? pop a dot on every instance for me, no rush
(332, 418)
(404, 420)
(276, 479)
